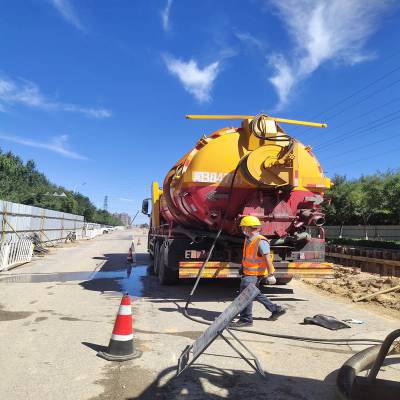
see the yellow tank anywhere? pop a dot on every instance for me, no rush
(274, 173)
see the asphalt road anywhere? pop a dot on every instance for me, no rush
(57, 312)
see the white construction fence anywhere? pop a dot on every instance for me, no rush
(374, 232)
(19, 223)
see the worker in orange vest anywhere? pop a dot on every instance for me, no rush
(256, 266)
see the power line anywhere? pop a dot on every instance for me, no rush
(358, 91)
(373, 156)
(346, 122)
(366, 98)
(378, 123)
(363, 147)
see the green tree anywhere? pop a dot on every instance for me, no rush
(391, 192)
(341, 208)
(368, 198)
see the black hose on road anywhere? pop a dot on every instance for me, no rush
(372, 358)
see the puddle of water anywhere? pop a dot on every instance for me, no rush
(133, 284)
(63, 277)
(126, 280)
(39, 278)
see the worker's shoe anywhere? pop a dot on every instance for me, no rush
(240, 324)
(276, 314)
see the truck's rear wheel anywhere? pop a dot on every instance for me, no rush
(151, 266)
(156, 261)
(167, 275)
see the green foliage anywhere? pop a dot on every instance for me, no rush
(373, 199)
(22, 183)
(341, 207)
(378, 244)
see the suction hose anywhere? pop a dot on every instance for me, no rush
(371, 358)
(258, 127)
(185, 310)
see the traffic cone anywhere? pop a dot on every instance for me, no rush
(121, 346)
(129, 259)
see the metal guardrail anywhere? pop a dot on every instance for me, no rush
(379, 261)
(15, 252)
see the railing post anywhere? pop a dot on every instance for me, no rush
(3, 222)
(62, 227)
(6, 256)
(41, 232)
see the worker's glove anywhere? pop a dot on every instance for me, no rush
(271, 280)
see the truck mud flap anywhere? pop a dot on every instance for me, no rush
(284, 270)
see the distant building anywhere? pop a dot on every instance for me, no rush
(125, 218)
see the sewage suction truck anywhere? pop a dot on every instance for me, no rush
(254, 169)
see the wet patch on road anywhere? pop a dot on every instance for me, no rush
(39, 319)
(187, 334)
(71, 319)
(56, 277)
(13, 315)
(202, 381)
(127, 280)
(122, 381)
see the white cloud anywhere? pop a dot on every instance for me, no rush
(323, 31)
(195, 80)
(249, 39)
(28, 94)
(165, 15)
(284, 79)
(65, 8)
(126, 199)
(57, 144)
(90, 112)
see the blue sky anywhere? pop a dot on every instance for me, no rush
(95, 91)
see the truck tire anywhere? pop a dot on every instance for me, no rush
(151, 266)
(166, 274)
(156, 261)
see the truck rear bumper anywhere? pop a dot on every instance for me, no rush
(286, 270)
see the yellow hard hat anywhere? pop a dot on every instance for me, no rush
(249, 220)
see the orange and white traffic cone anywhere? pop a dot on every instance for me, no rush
(121, 346)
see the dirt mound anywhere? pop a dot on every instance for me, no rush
(351, 283)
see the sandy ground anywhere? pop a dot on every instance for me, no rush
(351, 284)
(58, 311)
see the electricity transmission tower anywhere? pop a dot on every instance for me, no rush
(105, 206)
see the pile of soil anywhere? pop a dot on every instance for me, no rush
(352, 283)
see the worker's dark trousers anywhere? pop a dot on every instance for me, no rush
(247, 313)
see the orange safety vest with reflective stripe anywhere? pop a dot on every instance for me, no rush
(253, 263)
